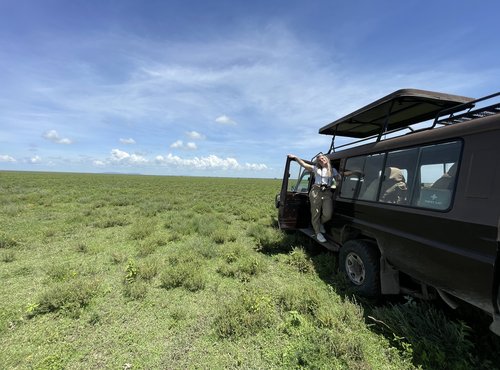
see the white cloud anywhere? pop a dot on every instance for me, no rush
(98, 163)
(53, 136)
(225, 120)
(119, 156)
(7, 158)
(127, 141)
(179, 144)
(209, 162)
(193, 135)
(256, 166)
(35, 160)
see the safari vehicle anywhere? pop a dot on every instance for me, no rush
(420, 213)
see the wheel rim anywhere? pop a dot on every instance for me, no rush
(355, 268)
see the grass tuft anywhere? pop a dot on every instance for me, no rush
(7, 256)
(6, 241)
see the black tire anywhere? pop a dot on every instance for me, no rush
(360, 262)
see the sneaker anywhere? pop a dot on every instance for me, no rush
(322, 229)
(320, 238)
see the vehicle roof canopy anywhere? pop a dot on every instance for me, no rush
(400, 109)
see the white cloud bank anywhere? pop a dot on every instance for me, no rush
(54, 137)
(209, 162)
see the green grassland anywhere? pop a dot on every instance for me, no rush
(146, 272)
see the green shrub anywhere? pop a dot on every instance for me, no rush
(120, 202)
(189, 276)
(199, 246)
(82, 248)
(221, 236)
(69, 297)
(153, 208)
(135, 290)
(61, 272)
(148, 269)
(113, 221)
(437, 342)
(326, 265)
(12, 210)
(245, 315)
(118, 257)
(131, 272)
(242, 268)
(146, 248)
(270, 240)
(52, 362)
(206, 225)
(300, 261)
(315, 348)
(141, 230)
(304, 299)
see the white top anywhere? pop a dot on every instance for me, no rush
(321, 177)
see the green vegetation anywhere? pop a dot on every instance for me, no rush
(115, 271)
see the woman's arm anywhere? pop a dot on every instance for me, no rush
(307, 166)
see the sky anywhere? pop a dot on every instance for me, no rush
(219, 88)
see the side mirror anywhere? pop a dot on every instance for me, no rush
(277, 201)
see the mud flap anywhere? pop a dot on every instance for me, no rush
(495, 325)
(389, 278)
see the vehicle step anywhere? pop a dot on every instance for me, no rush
(329, 244)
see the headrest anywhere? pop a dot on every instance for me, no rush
(394, 173)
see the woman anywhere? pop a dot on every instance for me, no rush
(320, 195)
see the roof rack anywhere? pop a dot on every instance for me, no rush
(482, 112)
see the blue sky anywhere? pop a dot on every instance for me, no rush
(219, 88)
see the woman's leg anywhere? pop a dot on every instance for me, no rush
(327, 206)
(316, 208)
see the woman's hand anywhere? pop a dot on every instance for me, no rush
(291, 156)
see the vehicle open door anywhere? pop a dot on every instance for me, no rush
(293, 200)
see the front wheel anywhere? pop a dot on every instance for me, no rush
(360, 262)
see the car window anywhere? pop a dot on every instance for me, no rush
(353, 180)
(421, 176)
(299, 178)
(399, 171)
(437, 175)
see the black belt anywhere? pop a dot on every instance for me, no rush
(322, 187)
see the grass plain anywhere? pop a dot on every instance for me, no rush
(150, 272)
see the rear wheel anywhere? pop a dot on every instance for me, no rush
(360, 262)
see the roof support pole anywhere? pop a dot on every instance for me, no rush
(332, 145)
(386, 122)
